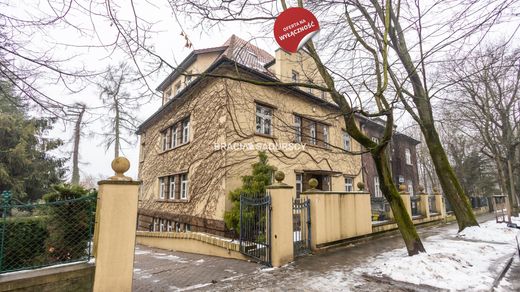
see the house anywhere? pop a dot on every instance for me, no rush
(212, 123)
(402, 155)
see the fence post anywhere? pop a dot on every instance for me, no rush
(282, 248)
(6, 197)
(425, 203)
(405, 195)
(439, 204)
(115, 230)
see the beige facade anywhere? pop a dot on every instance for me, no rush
(224, 138)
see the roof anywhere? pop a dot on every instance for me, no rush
(235, 49)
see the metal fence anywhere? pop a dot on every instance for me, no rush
(34, 235)
(380, 209)
(416, 205)
(301, 226)
(255, 227)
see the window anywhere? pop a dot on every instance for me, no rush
(161, 226)
(410, 188)
(161, 187)
(295, 77)
(187, 227)
(312, 133)
(349, 184)
(377, 189)
(184, 186)
(346, 141)
(185, 131)
(325, 135)
(169, 226)
(323, 94)
(264, 116)
(177, 88)
(171, 195)
(299, 184)
(408, 156)
(173, 187)
(176, 135)
(298, 129)
(375, 139)
(167, 95)
(155, 226)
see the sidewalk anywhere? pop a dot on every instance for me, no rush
(330, 271)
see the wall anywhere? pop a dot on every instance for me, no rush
(74, 277)
(191, 242)
(336, 216)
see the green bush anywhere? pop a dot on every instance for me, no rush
(24, 242)
(69, 223)
(252, 186)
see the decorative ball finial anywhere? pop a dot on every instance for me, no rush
(120, 165)
(421, 189)
(435, 189)
(402, 188)
(361, 186)
(313, 183)
(279, 176)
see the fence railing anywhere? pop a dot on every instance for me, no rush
(416, 205)
(380, 209)
(34, 235)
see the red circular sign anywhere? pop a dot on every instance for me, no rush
(294, 27)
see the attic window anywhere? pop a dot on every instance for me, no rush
(295, 76)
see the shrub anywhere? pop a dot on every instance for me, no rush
(252, 186)
(24, 242)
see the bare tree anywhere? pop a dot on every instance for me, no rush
(486, 93)
(79, 111)
(121, 106)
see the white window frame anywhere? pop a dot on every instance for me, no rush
(408, 156)
(410, 188)
(161, 188)
(171, 195)
(169, 227)
(299, 183)
(346, 141)
(155, 224)
(349, 184)
(377, 189)
(163, 139)
(264, 120)
(312, 132)
(161, 225)
(185, 131)
(375, 139)
(326, 135)
(184, 186)
(174, 136)
(178, 88)
(298, 128)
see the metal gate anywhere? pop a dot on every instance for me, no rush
(301, 226)
(255, 227)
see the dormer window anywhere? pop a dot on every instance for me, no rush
(188, 78)
(295, 76)
(167, 95)
(177, 88)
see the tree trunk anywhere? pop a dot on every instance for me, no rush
(450, 184)
(75, 151)
(402, 218)
(116, 128)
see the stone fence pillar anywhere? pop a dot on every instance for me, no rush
(282, 250)
(425, 203)
(114, 238)
(405, 195)
(440, 207)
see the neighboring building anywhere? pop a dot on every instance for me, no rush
(186, 164)
(403, 159)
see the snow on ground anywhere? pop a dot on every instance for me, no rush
(468, 261)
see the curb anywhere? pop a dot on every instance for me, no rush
(504, 271)
(404, 285)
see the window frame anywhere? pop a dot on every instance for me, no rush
(184, 180)
(349, 185)
(298, 129)
(171, 191)
(161, 188)
(295, 76)
(263, 113)
(377, 189)
(185, 123)
(408, 156)
(347, 142)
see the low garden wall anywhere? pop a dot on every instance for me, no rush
(336, 216)
(192, 242)
(73, 277)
